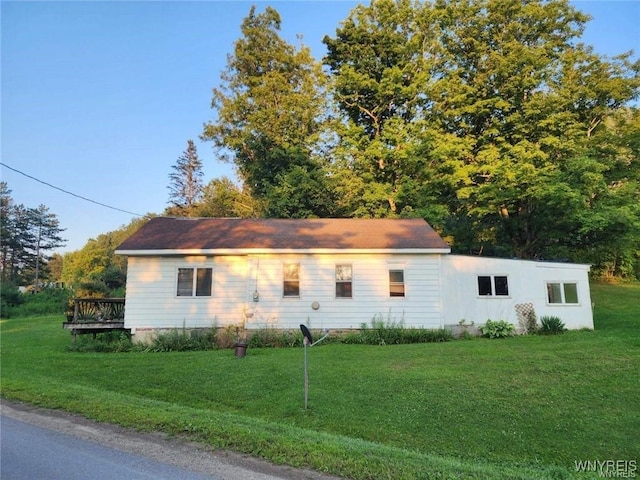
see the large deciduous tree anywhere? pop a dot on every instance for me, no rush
(269, 109)
(490, 119)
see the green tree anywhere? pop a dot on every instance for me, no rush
(95, 268)
(485, 117)
(46, 234)
(269, 108)
(223, 198)
(185, 182)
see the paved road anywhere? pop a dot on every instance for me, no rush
(37, 444)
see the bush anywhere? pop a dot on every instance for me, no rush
(270, 337)
(551, 325)
(10, 297)
(47, 301)
(394, 333)
(497, 329)
(182, 340)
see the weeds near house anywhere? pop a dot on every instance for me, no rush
(391, 332)
(181, 340)
(497, 329)
(551, 325)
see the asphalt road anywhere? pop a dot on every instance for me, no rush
(44, 444)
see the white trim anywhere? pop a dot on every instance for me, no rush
(281, 251)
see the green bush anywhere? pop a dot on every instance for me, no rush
(497, 329)
(48, 301)
(551, 325)
(271, 337)
(10, 297)
(181, 340)
(390, 332)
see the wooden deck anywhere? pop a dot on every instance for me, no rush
(96, 315)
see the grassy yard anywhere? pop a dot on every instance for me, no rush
(524, 407)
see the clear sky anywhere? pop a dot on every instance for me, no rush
(100, 98)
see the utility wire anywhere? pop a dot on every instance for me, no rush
(70, 193)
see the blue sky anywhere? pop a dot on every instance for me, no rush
(100, 98)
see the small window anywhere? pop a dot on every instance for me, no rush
(562, 293)
(490, 285)
(396, 283)
(194, 282)
(344, 281)
(291, 282)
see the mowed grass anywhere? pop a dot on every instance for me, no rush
(524, 407)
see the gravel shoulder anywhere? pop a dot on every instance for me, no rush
(159, 446)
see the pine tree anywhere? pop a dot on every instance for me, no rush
(186, 186)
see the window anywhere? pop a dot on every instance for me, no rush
(490, 285)
(291, 282)
(562, 292)
(194, 282)
(344, 281)
(396, 283)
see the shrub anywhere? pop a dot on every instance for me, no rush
(497, 329)
(271, 337)
(176, 340)
(45, 302)
(394, 333)
(551, 325)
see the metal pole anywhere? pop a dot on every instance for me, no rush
(306, 375)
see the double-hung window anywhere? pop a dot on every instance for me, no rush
(291, 280)
(194, 282)
(559, 292)
(396, 283)
(344, 281)
(493, 285)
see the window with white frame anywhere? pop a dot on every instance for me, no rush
(493, 285)
(396, 283)
(194, 282)
(344, 281)
(291, 280)
(560, 292)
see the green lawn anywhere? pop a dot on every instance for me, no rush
(524, 407)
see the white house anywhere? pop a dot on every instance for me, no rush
(330, 273)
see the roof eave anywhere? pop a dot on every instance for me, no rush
(279, 251)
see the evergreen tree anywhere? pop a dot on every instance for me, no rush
(186, 182)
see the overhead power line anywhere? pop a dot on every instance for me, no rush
(70, 193)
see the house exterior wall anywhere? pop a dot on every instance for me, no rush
(152, 303)
(527, 282)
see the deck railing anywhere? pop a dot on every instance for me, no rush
(91, 310)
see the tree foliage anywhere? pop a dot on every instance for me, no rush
(269, 108)
(186, 182)
(491, 120)
(26, 235)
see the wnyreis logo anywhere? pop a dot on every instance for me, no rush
(608, 468)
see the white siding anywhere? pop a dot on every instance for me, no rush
(527, 284)
(152, 302)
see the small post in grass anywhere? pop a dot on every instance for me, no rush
(308, 341)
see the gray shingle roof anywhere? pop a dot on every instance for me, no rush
(210, 234)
